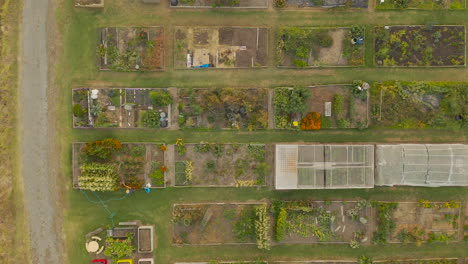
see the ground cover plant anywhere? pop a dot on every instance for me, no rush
(221, 3)
(122, 107)
(211, 164)
(220, 223)
(131, 48)
(419, 104)
(107, 165)
(312, 47)
(321, 3)
(417, 222)
(223, 108)
(421, 4)
(420, 45)
(305, 221)
(220, 47)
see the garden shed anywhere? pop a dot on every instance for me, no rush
(324, 166)
(429, 165)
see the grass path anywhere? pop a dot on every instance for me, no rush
(77, 68)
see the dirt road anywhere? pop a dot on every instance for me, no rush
(39, 182)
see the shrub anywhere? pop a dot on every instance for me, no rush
(312, 121)
(117, 249)
(78, 111)
(98, 177)
(102, 149)
(300, 63)
(357, 91)
(280, 3)
(151, 119)
(280, 228)
(358, 31)
(337, 105)
(161, 98)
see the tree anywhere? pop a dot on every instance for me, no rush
(117, 249)
(102, 149)
(98, 177)
(291, 100)
(161, 98)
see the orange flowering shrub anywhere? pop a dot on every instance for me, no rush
(163, 147)
(163, 168)
(311, 121)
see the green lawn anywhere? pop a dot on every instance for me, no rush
(77, 67)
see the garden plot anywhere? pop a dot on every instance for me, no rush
(415, 46)
(417, 222)
(418, 104)
(421, 4)
(316, 107)
(220, 47)
(108, 165)
(320, 3)
(131, 48)
(220, 4)
(214, 224)
(209, 164)
(314, 47)
(224, 108)
(89, 3)
(122, 107)
(323, 222)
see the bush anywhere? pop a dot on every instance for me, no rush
(300, 63)
(280, 3)
(312, 121)
(357, 91)
(78, 111)
(357, 31)
(280, 228)
(161, 98)
(151, 119)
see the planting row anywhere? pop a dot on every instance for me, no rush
(357, 105)
(284, 4)
(142, 48)
(304, 221)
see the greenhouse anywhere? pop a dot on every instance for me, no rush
(324, 166)
(429, 165)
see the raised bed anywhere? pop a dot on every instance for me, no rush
(421, 4)
(224, 108)
(213, 224)
(228, 165)
(136, 164)
(220, 47)
(122, 108)
(237, 4)
(131, 48)
(300, 47)
(417, 46)
(145, 239)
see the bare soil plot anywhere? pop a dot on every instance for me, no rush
(223, 108)
(212, 224)
(418, 104)
(89, 3)
(209, 164)
(122, 108)
(131, 48)
(420, 46)
(421, 4)
(314, 47)
(220, 4)
(323, 222)
(220, 47)
(417, 222)
(321, 3)
(136, 163)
